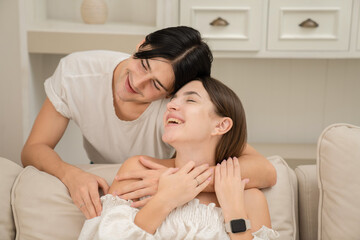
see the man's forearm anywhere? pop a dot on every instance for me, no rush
(45, 159)
(256, 168)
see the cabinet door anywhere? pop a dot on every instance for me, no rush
(358, 31)
(309, 25)
(227, 25)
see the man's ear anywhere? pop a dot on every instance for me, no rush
(139, 44)
(223, 126)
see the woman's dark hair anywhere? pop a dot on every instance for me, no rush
(227, 104)
(188, 54)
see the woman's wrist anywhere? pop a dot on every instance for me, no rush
(231, 213)
(164, 202)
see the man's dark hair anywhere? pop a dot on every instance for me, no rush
(183, 46)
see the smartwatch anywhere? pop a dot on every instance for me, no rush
(237, 225)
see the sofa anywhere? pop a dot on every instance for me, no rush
(311, 202)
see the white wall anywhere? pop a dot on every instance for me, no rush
(12, 71)
(293, 100)
(286, 100)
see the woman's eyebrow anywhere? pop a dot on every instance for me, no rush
(191, 93)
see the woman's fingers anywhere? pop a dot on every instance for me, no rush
(204, 176)
(237, 169)
(187, 167)
(197, 170)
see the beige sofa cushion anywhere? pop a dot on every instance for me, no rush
(42, 205)
(338, 161)
(282, 200)
(8, 172)
(308, 201)
(43, 208)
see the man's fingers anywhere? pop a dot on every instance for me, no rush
(138, 193)
(131, 175)
(103, 185)
(170, 171)
(95, 198)
(150, 164)
(131, 187)
(140, 203)
(89, 207)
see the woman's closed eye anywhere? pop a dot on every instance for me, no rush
(190, 100)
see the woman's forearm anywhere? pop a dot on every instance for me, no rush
(151, 216)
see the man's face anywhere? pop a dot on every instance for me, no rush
(144, 80)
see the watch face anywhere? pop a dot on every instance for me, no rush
(238, 225)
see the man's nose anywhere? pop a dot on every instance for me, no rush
(141, 80)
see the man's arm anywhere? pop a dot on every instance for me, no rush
(39, 152)
(256, 168)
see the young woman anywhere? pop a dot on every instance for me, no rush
(205, 123)
(114, 98)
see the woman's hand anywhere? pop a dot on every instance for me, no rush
(179, 186)
(84, 191)
(147, 184)
(229, 188)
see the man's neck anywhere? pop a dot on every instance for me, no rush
(129, 111)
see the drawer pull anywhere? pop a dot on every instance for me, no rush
(219, 22)
(309, 23)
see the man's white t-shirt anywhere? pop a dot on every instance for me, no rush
(81, 90)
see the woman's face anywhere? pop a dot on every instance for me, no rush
(190, 115)
(144, 80)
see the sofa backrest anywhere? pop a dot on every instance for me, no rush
(43, 208)
(8, 172)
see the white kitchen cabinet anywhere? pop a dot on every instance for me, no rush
(229, 25)
(309, 25)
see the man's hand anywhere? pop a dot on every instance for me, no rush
(147, 184)
(84, 191)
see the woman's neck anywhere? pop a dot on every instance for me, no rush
(199, 153)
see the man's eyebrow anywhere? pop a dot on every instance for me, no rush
(191, 93)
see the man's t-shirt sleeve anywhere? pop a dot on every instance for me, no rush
(55, 91)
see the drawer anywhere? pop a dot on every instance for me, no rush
(230, 25)
(309, 25)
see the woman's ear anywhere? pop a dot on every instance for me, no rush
(223, 126)
(139, 44)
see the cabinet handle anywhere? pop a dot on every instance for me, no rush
(309, 23)
(219, 22)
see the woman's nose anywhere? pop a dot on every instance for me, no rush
(173, 104)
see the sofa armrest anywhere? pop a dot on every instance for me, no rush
(308, 197)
